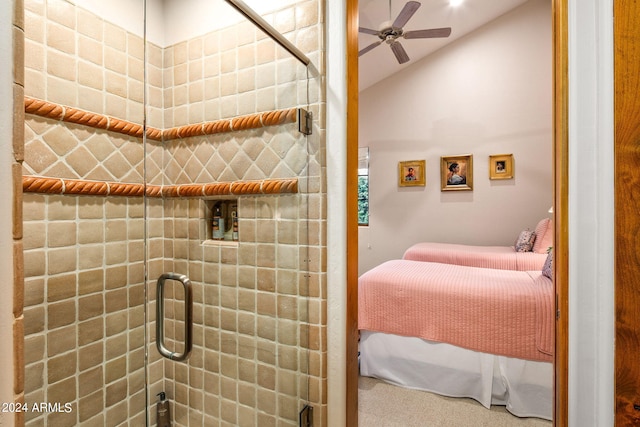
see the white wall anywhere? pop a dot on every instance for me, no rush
(184, 19)
(336, 149)
(173, 21)
(124, 13)
(591, 214)
(489, 92)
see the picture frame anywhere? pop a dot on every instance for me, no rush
(412, 173)
(456, 172)
(501, 166)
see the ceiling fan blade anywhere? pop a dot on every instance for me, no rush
(370, 47)
(406, 13)
(399, 52)
(427, 34)
(368, 31)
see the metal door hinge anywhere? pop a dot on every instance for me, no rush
(306, 416)
(305, 119)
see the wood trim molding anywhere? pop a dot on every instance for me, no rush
(352, 20)
(46, 185)
(560, 209)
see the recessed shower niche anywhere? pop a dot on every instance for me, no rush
(221, 220)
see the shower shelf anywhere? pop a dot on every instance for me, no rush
(221, 221)
(229, 243)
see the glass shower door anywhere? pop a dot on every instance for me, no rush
(157, 146)
(84, 232)
(231, 194)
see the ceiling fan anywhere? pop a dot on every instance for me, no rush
(390, 32)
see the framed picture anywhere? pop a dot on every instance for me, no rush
(411, 173)
(501, 166)
(456, 173)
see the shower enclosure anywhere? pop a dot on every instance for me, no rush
(173, 213)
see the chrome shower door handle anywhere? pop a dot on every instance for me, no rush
(188, 316)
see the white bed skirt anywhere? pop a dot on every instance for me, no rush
(524, 387)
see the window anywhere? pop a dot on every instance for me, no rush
(363, 186)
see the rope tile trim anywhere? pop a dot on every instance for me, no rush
(64, 113)
(46, 185)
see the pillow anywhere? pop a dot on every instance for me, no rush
(544, 236)
(547, 268)
(525, 241)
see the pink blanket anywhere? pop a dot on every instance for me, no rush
(502, 312)
(501, 257)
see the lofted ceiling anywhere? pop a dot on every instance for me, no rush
(380, 63)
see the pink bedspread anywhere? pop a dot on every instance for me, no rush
(502, 312)
(501, 257)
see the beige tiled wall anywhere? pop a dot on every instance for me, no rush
(258, 305)
(76, 58)
(230, 72)
(17, 355)
(251, 303)
(55, 149)
(84, 317)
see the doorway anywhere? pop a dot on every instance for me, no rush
(560, 167)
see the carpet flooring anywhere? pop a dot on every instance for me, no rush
(384, 405)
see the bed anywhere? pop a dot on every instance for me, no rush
(460, 331)
(528, 253)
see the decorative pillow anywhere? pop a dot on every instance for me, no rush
(544, 236)
(525, 241)
(547, 268)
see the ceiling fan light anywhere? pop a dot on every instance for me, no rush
(384, 25)
(455, 3)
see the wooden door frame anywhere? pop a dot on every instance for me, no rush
(560, 211)
(352, 215)
(560, 208)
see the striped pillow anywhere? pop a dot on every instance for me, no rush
(544, 236)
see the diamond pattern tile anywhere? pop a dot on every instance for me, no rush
(60, 139)
(253, 146)
(240, 164)
(81, 161)
(117, 165)
(203, 150)
(281, 143)
(38, 156)
(223, 77)
(267, 161)
(193, 168)
(228, 149)
(77, 153)
(100, 146)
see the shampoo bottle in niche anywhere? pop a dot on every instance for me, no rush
(218, 223)
(234, 222)
(163, 413)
